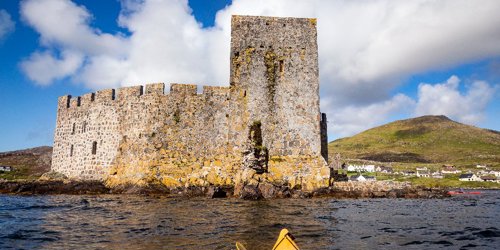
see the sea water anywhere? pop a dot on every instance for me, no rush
(147, 222)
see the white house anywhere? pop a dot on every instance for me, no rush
(495, 173)
(423, 173)
(384, 169)
(357, 178)
(361, 168)
(489, 178)
(469, 177)
(437, 175)
(422, 169)
(370, 178)
(5, 168)
(408, 173)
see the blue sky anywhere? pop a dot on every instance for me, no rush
(379, 61)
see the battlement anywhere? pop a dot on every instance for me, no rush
(128, 92)
(125, 93)
(272, 32)
(105, 95)
(155, 88)
(214, 90)
(183, 89)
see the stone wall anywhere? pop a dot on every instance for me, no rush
(266, 121)
(136, 126)
(81, 123)
(274, 79)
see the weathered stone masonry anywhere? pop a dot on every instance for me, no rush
(265, 126)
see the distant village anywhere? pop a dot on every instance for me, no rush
(369, 172)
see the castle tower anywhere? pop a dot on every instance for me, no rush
(274, 77)
(268, 119)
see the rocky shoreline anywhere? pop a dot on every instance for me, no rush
(338, 190)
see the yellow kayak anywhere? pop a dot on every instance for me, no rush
(284, 242)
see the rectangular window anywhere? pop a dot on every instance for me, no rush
(71, 151)
(94, 148)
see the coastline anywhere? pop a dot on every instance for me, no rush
(339, 190)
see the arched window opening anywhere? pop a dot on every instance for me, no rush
(94, 148)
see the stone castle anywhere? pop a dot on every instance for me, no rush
(266, 126)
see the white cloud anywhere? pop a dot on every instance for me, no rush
(167, 44)
(446, 99)
(352, 119)
(64, 28)
(6, 24)
(44, 67)
(366, 47)
(63, 24)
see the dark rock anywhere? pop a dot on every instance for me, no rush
(379, 194)
(216, 192)
(392, 194)
(250, 192)
(321, 192)
(284, 192)
(268, 190)
(53, 187)
(423, 193)
(238, 189)
(193, 191)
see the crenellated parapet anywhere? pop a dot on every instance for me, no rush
(155, 89)
(126, 93)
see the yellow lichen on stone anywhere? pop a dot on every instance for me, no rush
(313, 21)
(170, 182)
(248, 55)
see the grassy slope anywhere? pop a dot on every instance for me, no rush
(28, 163)
(427, 139)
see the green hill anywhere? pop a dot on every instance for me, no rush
(426, 139)
(27, 164)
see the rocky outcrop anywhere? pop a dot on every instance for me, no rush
(251, 191)
(52, 187)
(382, 189)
